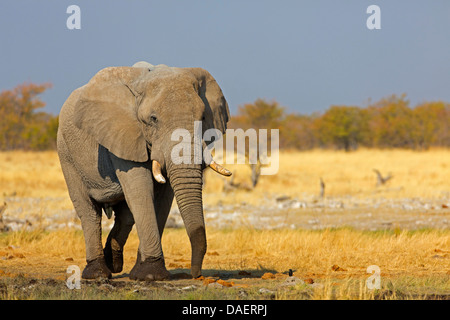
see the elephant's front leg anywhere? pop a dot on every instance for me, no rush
(137, 184)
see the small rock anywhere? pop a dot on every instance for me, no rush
(268, 275)
(214, 285)
(189, 288)
(170, 287)
(266, 291)
(243, 294)
(309, 281)
(292, 281)
(29, 287)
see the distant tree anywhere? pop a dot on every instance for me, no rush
(297, 132)
(392, 122)
(21, 127)
(40, 134)
(258, 115)
(261, 114)
(432, 121)
(345, 127)
(387, 123)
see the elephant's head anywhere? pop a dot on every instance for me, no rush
(133, 111)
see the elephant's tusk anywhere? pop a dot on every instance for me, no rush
(219, 169)
(156, 170)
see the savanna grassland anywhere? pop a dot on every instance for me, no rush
(255, 236)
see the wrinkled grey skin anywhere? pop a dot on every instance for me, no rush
(109, 132)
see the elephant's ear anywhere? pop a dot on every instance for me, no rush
(217, 113)
(106, 109)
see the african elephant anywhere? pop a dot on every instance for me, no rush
(114, 145)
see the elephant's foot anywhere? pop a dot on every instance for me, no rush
(196, 271)
(152, 269)
(113, 259)
(96, 269)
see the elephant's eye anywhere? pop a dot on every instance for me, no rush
(153, 119)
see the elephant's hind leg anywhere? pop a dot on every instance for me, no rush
(123, 223)
(90, 215)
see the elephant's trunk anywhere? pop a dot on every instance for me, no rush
(186, 181)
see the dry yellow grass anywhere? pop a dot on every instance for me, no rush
(31, 174)
(416, 174)
(311, 254)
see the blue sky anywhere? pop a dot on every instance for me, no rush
(307, 55)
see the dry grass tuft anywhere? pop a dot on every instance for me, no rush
(309, 253)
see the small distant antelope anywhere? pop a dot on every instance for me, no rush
(380, 179)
